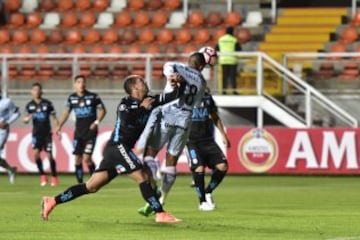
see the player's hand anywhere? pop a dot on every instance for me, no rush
(226, 142)
(175, 80)
(146, 103)
(58, 132)
(26, 119)
(4, 125)
(93, 126)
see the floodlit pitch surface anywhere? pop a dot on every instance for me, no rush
(248, 207)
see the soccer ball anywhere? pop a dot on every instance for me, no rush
(210, 55)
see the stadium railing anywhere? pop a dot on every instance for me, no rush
(260, 69)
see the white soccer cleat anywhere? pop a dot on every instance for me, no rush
(205, 206)
(12, 175)
(210, 200)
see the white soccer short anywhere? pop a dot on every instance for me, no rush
(162, 128)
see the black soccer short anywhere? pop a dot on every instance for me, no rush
(42, 142)
(85, 144)
(204, 153)
(119, 159)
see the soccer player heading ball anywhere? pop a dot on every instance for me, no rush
(210, 55)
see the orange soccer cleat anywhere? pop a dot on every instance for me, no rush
(165, 217)
(47, 205)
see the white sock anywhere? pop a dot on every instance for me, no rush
(153, 165)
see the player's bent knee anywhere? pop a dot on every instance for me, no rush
(222, 167)
(198, 169)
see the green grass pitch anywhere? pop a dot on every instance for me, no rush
(248, 207)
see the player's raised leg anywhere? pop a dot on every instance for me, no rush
(97, 181)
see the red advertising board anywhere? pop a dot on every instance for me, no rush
(270, 150)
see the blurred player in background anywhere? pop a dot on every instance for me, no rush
(170, 124)
(118, 158)
(40, 110)
(8, 114)
(89, 112)
(203, 151)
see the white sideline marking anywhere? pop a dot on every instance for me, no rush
(345, 238)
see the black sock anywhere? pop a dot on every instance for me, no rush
(199, 185)
(79, 172)
(216, 177)
(71, 193)
(40, 166)
(4, 164)
(150, 196)
(53, 167)
(91, 168)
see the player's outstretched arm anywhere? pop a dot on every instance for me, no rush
(218, 123)
(62, 121)
(14, 113)
(27, 118)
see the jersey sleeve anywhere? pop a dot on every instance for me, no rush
(68, 104)
(98, 102)
(27, 110)
(212, 107)
(51, 109)
(14, 112)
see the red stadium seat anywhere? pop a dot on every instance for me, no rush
(34, 19)
(47, 5)
(83, 4)
(159, 19)
(172, 5)
(27, 70)
(4, 36)
(350, 72)
(337, 48)
(164, 36)
(349, 35)
(45, 70)
(73, 37)
(20, 36)
(13, 5)
(154, 4)
(56, 37)
(16, 20)
(202, 36)
(128, 37)
(141, 19)
(123, 19)
(65, 5)
(69, 19)
(243, 35)
(136, 4)
(190, 48)
(88, 19)
(232, 19)
(183, 36)
(195, 19)
(38, 36)
(100, 70)
(356, 19)
(326, 71)
(92, 36)
(146, 36)
(110, 36)
(101, 5)
(217, 33)
(214, 19)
